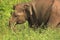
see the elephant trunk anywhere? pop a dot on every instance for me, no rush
(12, 22)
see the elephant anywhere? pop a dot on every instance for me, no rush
(36, 12)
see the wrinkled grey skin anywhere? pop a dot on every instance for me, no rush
(37, 12)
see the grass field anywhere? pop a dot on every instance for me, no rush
(22, 32)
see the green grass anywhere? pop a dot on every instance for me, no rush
(22, 32)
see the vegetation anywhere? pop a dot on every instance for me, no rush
(22, 32)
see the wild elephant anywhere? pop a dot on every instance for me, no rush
(36, 12)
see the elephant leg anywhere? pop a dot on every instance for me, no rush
(53, 21)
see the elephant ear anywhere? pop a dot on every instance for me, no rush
(31, 15)
(29, 12)
(28, 9)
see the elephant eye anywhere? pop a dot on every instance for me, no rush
(15, 15)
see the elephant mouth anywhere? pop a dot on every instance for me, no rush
(18, 22)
